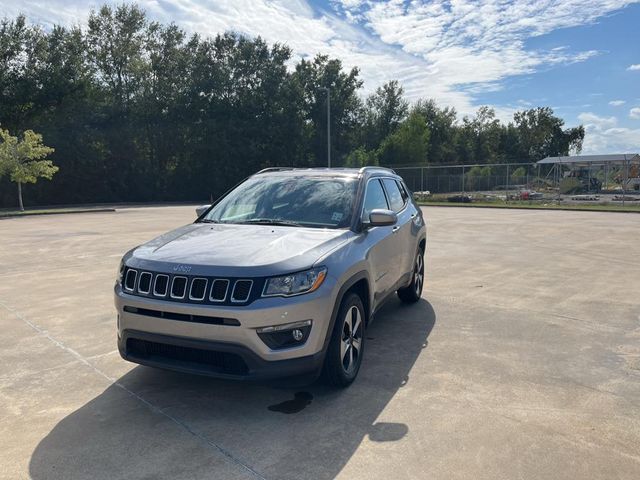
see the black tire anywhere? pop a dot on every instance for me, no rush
(344, 355)
(412, 292)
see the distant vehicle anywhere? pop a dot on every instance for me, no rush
(279, 277)
(459, 199)
(422, 195)
(530, 195)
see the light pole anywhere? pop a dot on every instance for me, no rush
(328, 90)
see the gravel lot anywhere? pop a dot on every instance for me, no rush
(521, 361)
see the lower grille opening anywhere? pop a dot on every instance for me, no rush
(211, 360)
(183, 317)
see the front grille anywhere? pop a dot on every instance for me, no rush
(201, 359)
(192, 289)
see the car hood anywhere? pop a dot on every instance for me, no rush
(237, 250)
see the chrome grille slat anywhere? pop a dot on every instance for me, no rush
(130, 280)
(144, 278)
(178, 290)
(198, 281)
(157, 292)
(219, 298)
(238, 297)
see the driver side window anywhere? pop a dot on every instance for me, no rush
(373, 198)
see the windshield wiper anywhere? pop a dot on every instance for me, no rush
(207, 220)
(271, 221)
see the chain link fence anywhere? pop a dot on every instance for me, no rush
(475, 178)
(601, 183)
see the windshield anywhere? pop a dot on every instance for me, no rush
(322, 202)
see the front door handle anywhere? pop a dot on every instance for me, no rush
(395, 229)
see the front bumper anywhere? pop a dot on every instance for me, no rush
(232, 361)
(228, 351)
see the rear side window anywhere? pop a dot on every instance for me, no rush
(395, 197)
(403, 191)
(374, 198)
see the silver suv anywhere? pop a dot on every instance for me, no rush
(280, 277)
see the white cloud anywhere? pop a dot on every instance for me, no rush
(449, 51)
(596, 122)
(634, 67)
(604, 136)
(635, 113)
(616, 103)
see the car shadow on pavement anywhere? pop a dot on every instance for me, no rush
(160, 424)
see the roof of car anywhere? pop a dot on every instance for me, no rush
(330, 172)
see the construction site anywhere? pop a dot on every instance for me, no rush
(605, 180)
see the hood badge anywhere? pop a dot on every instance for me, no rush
(182, 268)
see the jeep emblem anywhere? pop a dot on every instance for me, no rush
(182, 268)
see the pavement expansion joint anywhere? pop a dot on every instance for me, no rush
(40, 331)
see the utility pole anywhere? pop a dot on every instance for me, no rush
(328, 90)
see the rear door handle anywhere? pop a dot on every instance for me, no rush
(395, 229)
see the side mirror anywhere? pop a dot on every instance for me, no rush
(382, 218)
(201, 209)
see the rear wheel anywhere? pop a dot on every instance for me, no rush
(344, 355)
(412, 293)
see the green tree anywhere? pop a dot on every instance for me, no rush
(476, 174)
(385, 109)
(408, 145)
(139, 111)
(541, 134)
(309, 79)
(518, 173)
(441, 123)
(477, 138)
(25, 160)
(360, 157)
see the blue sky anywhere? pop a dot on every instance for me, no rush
(582, 58)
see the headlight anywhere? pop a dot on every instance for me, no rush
(295, 283)
(120, 272)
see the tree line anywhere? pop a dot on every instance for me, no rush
(137, 110)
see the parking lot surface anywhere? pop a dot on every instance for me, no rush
(521, 361)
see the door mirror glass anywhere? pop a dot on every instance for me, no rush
(381, 218)
(201, 209)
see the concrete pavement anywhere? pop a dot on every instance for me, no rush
(521, 361)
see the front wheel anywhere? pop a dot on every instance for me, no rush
(344, 354)
(412, 293)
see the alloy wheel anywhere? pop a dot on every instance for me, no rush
(418, 274)
(351, 339)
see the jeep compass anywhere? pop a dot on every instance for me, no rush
(280, 277)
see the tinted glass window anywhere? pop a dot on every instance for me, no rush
(325, 202)
(395, 197)
(374, 198)
(403, 191)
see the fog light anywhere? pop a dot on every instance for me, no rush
(287, 335)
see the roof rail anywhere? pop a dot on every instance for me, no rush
(274, 169)
(374, 168)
